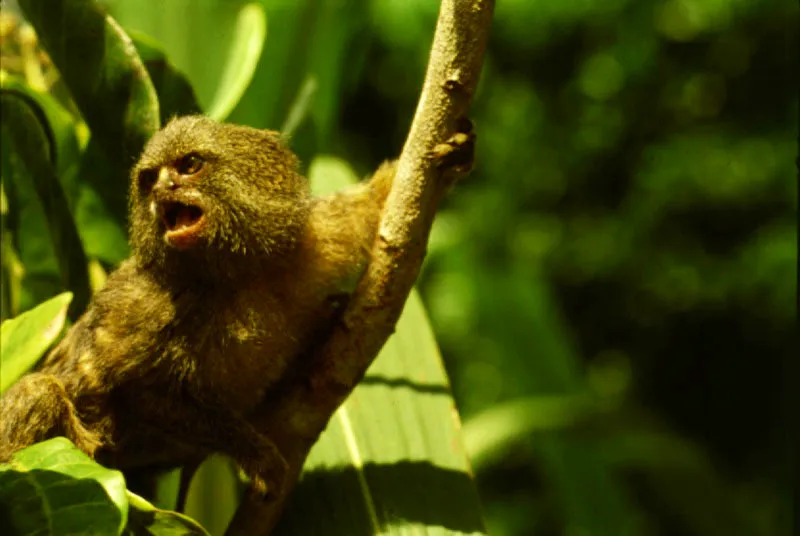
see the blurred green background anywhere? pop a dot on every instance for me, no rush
(614, 286)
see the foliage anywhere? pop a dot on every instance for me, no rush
(620, 264)
(71, 129)
(56, 487)
(24, 339)
(612, 287)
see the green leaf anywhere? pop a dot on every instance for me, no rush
(214, 494)
(249, 35)
(146, 519)
(681, 477)
(101, 204)
(489, 434)
(301, 107)
(67, 142)
(26, 238)
(25, 338)
(328, 174)
(175, 94)
(590, 494)
(54, 488)
(391, 460)
(282, 66)
(334, 54)
(98, 205)
(105, 75)
(45, 234)
(115, 95)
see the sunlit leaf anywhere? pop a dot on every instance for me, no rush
(53, 488)
(391, 461)
(25, 338)
(248, 40)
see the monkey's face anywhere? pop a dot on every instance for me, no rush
(204, 190)
(176, 205)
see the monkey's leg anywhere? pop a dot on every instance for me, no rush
(36, 408)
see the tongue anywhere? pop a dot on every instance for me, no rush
(185, 219)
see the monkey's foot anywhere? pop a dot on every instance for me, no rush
(457, 154)
(36, 408)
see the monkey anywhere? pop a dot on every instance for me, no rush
(234, 270)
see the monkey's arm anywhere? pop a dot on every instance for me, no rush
(343, 227)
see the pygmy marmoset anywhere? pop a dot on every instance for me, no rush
(233, 269)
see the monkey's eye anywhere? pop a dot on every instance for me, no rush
(190, 164)
(147, 179)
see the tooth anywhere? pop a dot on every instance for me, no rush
(153, 208)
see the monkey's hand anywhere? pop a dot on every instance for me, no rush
(457, 154)
(266, 468)
(36, 408)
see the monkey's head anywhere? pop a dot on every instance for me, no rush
(206, 191)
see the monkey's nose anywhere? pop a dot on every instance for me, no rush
(166, 179)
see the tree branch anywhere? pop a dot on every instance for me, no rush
(450, 82)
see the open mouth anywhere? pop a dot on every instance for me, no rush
(182, 222)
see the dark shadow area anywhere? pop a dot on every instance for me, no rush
(74, 505)
(332, 502)
(406, 384)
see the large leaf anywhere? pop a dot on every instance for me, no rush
(391, 460)
(46, 236)
(53, 488)
(249, 35)
(25, 338)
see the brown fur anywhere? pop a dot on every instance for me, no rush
(174, 353)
